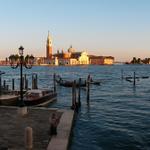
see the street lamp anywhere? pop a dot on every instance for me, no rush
(19, 60)
(21, 51)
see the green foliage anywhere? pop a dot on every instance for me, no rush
(139, 61)
(14, 58)
(29, 58)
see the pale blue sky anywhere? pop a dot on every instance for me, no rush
(120, 28)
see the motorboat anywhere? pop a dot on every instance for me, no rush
(37, 97)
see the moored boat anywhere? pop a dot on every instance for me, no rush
(38, 97)
(70, 84)
(67, 83)
(8, 100)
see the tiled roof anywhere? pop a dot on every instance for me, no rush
(100, 57)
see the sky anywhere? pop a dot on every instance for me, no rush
(120, 28)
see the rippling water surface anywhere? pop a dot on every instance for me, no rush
(118, 116)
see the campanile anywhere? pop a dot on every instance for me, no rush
(49, 47)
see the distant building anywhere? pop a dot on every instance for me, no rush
(71, 57)
(39, 60)
(108, 60)
(101, 60)
(81, 57)
(4, 62)
(96, 60)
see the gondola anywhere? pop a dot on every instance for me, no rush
(70, 84)
(67, 83)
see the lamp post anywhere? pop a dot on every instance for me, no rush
(16, 61)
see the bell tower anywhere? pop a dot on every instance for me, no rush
(49, 47)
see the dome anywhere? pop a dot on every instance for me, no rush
(66, 55)
(71, 50)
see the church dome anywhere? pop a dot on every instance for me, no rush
(71, 49)
(66, 55)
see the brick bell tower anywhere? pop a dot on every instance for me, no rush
(49, 47)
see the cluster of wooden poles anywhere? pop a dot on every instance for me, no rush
(3, 87)
(76, 92)
(76, 98)
(129, 78)
(25, 82)
(133, 78)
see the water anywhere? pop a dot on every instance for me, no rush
(117, 117)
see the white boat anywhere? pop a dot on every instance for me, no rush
(39, 97)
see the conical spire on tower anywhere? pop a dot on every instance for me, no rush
(49, 41)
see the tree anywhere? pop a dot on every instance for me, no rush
(138, 61)
(13, 58)
(134, 61)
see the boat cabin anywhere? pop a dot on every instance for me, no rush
(35, 94)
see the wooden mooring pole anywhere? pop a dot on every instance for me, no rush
(34, 81)
(72, 107)
(7, 87)
(88, 89)
(33, 86)
(75, 95)
(13, 84)
(0, 84)
(4, 84)
(25, 78)
(74, 103)
(122, 74)
(26, 84)
(54, 81)
(134, 79)
(79, 91)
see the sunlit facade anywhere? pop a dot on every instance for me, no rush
(70, 58)
(108, 60)
(101, 60)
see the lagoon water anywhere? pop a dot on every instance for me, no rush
(118, 115)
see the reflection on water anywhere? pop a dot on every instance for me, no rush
(117, 117)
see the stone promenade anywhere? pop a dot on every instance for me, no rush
(12, 128)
